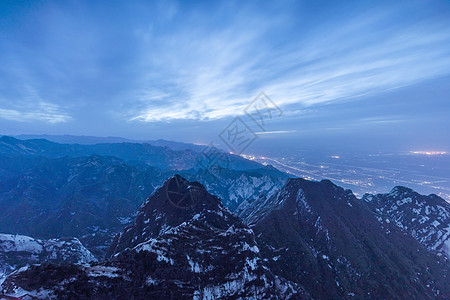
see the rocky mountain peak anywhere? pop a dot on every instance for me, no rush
(176, 201)
(185, 195)
(401, 190)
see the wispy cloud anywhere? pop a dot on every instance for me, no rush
(46, 112)
(30, 107)
(379, 120)
(214, 74)
(275, 132)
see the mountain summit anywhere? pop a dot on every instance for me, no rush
(177, 201)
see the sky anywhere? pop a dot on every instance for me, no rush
(363, 75)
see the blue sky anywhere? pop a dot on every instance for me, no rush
(350, 74)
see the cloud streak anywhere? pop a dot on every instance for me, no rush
(46, 112)
(224, 69)
(31, 107)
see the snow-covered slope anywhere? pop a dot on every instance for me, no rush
(17, 251)
(426, 218)
(238, 188)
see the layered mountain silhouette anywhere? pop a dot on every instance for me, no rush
(141, 154)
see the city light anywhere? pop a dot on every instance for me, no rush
(249, 157)
(429, 152)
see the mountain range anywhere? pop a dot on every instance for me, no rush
(51, 190)
(92, 140)
(316, 241)
(236, 230)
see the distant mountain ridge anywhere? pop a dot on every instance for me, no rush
(92, 140)
(143, 154)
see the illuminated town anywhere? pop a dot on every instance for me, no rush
(429, 152)
(424, 171)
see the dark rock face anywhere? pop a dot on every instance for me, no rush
(426, 218)
(183, 244)
(322, 237)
